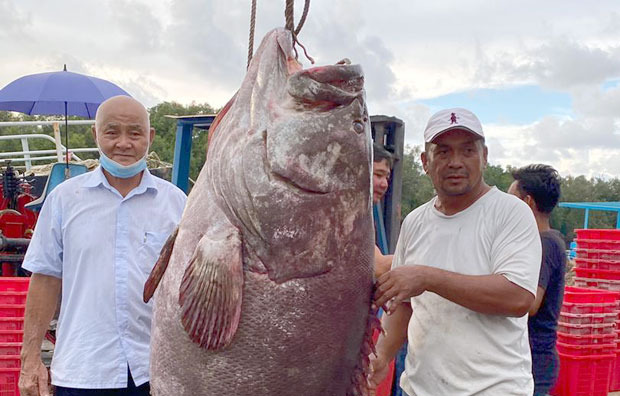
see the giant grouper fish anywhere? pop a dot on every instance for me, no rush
(268, 279)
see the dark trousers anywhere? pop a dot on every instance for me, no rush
(545, 368)
(131, 390)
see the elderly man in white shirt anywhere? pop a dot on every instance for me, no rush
(97, 238)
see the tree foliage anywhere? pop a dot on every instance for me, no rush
(165, 132)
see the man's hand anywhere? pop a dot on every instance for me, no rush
(33, 379)
(379, 369)
(400, 284)
(383, 263)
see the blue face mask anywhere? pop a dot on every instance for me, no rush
(122, 171)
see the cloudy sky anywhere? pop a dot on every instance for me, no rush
(543, 76)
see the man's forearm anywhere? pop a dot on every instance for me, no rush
(487, 294)
(40, 307)
(382, 262)
(394, 332)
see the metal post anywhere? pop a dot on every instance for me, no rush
(26, 150)
(57, 140)
(389, 133)
(585, 220)
(617, 219)
(381, 238)
(182, 150)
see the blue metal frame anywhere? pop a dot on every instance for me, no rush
(588, 206)
(380, 235)
(183, 146)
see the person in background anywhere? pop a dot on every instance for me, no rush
(463, 278)
(97, 239)
(539, 187)
(381, 171)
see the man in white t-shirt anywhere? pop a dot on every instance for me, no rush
(464, 276)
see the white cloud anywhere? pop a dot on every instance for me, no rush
(141, 28)
(13, 22)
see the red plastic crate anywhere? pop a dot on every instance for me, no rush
(587, 295)
(599, 244)
(584, 329)
(597, 254)
(598, 233)
(584, 375)
(12, 283)
(588, 318)
(13, 297)
(12, 310)
(10, 361)
(590, 339)
(10, 348)
(611, 285)
(11, 335)
(8, 381)
(614, 382)
(10, 323)
(597, 273)
(597, 264)
(586, 350)
(585, 308)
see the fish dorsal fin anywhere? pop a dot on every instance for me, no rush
(210, 292)
(218, 118)
(160, 267)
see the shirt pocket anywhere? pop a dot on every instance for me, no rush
(152, 242)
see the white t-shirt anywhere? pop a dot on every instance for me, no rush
(453, 350)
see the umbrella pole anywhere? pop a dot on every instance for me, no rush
(66, 144)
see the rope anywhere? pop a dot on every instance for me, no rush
(252, 25)
(303, 17)
(288, 15)
(290, 25)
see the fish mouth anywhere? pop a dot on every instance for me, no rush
(327, 87)
(348, 78)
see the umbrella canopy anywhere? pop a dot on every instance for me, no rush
(58, 93)
(47, 94)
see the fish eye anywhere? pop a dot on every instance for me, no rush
(358, 127)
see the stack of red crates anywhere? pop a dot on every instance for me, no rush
(598, 266)
(586, 342)
(598, 259)
(12, 305)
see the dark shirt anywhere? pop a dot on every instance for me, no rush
(543, 326)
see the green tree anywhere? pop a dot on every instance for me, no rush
(417, 187)
(495, 175)
(165, 136)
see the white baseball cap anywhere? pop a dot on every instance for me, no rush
(449, 119)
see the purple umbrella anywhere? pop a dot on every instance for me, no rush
(58, 93)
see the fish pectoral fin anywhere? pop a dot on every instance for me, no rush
(160, 267)
(210, 292)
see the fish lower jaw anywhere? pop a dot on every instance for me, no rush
(292, 185)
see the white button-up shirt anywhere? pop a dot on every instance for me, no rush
(103, 246)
